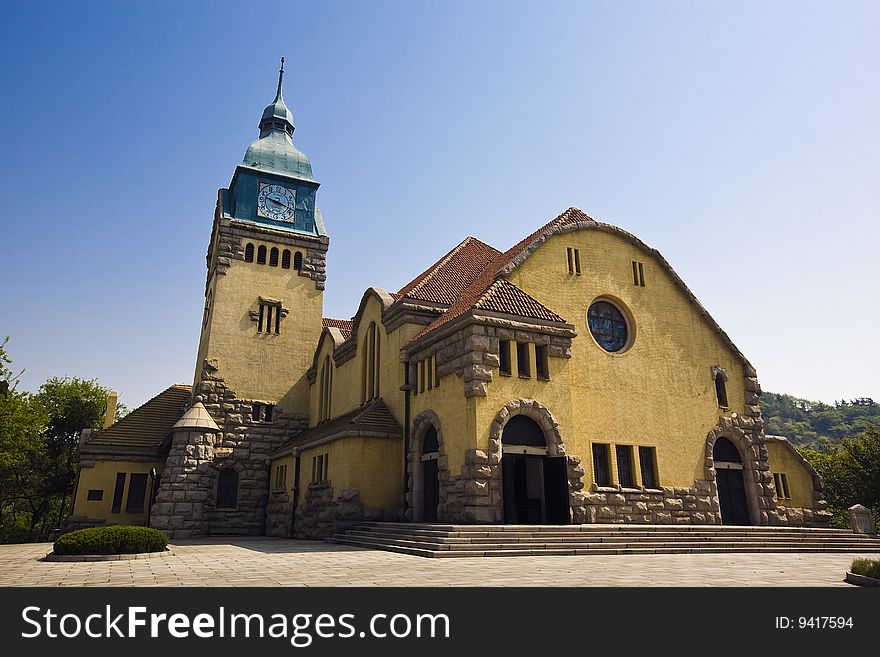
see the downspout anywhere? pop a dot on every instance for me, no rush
(295, 491)
(406, 388)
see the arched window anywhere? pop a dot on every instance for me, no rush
(261, 255)
(285, 259)
(227, 489)
(720, 386)
(298, 260)
(249, 252)
(523, 430)
(273, 257)
(430, 443)
(725, 452)
(371, 357)
(326, 390)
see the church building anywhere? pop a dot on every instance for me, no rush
(570, 378)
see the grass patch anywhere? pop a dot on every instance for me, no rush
(866, 567)
(111, 540)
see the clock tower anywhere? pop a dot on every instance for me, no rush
(262, 315)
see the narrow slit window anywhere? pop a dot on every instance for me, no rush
(522, 360)
(261, 255)
(298, 260)
(434, 369)
(647, 462)
(504, 357)
(273, 257)
(600, 465)
(278, 321)
(429, 373)
(285, 259)
(249, 252)
(260, 320)
(542, 366)
(635, 272)
(570, 260)
(641, 275)
(577, 261)
(624, 466)
(721, 389)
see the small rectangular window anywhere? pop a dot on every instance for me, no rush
(577, 262)
(421, 376)
(434, 368)
(781, 482)
(260, 320)
(720, 390)
(570, 260)
(542, 366)
(269, 318)
(600, 465)
(523, 366)
(504, 357)
(117, 492)
(429, 367)
(638, 274)
(137, 488)
(95, 495)
(624, 466)
(647, 458)
(324, 473)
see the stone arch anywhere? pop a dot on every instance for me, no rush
(415, 483)
(217, 467)
(555, 447)
(756, 476)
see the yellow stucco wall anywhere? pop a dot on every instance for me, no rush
(800, 482)
(263, 366)
(103, 477)
(374, 466)
(287, 484)
(660, 391)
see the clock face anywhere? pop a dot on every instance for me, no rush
(276, 202)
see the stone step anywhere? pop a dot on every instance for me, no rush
(592, 550)
(501, 538)
(619, 527)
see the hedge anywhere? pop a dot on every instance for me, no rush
(866, 567)
(111, 540)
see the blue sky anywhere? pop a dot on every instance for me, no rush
(740, 139)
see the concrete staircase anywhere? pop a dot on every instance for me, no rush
(436, 540)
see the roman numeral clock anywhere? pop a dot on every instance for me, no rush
(276, 202)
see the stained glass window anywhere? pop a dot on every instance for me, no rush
(608, 326)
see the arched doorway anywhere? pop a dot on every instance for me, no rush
(730, 482)
(430, 475)
(534, 484)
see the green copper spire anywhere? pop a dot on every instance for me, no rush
(276, 116)
(274, 150)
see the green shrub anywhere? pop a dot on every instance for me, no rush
(866, 567)
(111, 540)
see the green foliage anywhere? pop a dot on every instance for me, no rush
(111, 540)
(815, 424)
(38, 443)
(866, 567)
(851, 473)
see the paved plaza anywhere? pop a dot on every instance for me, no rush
(279, 562)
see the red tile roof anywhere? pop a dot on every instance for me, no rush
(445, 280)
(344, 326)
(479, 286)
(505, 297)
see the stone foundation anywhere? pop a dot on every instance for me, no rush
(279, 513)
(324, 513)
(662, 506)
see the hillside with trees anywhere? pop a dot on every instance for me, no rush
(818, 425)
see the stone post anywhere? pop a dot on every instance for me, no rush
(862, 520)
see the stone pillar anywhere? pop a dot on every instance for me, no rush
(862, 520)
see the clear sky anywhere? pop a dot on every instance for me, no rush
(740, 139)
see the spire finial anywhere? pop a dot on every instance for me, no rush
(280, 77)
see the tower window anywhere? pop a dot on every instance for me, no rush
(542, 366)
(504, 357)
(638, 274)
(273, 257)
(249, 252)
(523, 367)
(261, 255)
(262, 412)
(647, 462)
(601, 471)
(269, 318)
(574, 261)
(285, 259)
(720, 386)
(298, 260)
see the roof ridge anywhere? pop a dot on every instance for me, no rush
(420, 280)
